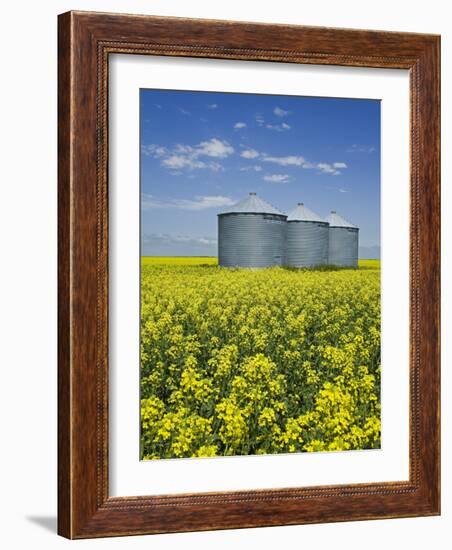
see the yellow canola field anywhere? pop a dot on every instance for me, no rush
(240, 362)
(178, 260)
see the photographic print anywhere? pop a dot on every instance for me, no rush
(260, 274)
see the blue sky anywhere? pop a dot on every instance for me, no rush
(203, 151)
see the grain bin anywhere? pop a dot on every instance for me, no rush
(251, 233)
(343, 241)
(307, 238)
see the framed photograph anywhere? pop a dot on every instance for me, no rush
(249, 262)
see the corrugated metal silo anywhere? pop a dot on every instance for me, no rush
(343, 241)
(307, 238)
(251, 233)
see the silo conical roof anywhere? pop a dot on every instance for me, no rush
(252, 204)
(338, 221)
(302, 214)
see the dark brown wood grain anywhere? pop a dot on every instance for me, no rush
(85, 42)
(64, 295)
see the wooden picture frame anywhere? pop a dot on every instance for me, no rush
(85, 42)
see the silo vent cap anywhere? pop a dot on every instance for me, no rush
(301, 204)
(333, 212)
(252, 193)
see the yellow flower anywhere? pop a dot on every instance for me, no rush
(254, 362)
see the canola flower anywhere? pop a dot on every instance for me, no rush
(239, 362)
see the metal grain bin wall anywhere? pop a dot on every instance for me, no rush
(307, 238)
(343, 241)
(252, 233)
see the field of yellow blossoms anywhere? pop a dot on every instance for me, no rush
(240, 362)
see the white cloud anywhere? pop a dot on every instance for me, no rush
(184, 149)
(166, 239)
(290, 160)
(153, 150)
(204, 240)
(356, 148)
(326, 168)
(184, 111)
(260, 119)
(277, 178)
(295, 161)
(254, 168)
(214, 148)
(332, 169)
(280, 112)
(202, 203)
(180, 161)
(278, 127)
(215, 166)
(212, 106)
(338, 189)
(148, 202)
(249, 154)
(189, 157)
(239, 125)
